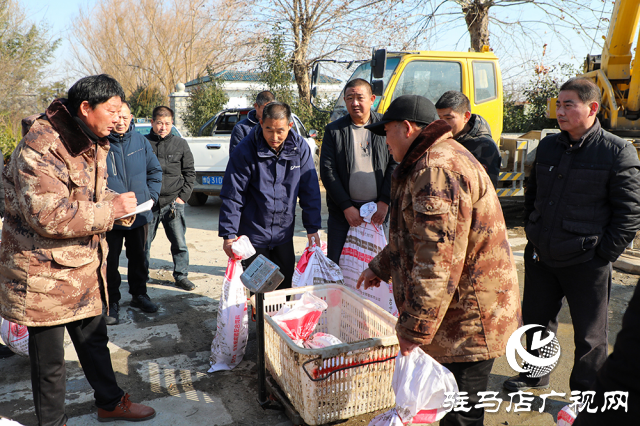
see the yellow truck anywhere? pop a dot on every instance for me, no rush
(430, 74)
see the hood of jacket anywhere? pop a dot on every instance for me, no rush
(479, 127)
(115, 137)
(71, 134)
(429, 135)
(253, 117)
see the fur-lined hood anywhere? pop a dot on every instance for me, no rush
(434, 132)
(71, 134)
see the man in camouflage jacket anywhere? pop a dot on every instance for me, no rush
(53, 251)
(453, 273)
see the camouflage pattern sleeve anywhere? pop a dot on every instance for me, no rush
(381, 265)
(47, 188)
(435, 211)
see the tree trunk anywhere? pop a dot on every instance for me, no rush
(476, 14)
(302, 33)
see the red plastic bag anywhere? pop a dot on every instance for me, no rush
(299, 321)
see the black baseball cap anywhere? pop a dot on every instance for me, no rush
(407, 107)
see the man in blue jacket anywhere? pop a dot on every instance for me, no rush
(268, 171)
(132, 167)
(244, 127)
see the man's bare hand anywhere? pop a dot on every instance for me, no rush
(369, 279)
(314, 238)
(226, 246)
(124, 204)
(179, 200)
(353, 216)
(380, 214)
(406, 346)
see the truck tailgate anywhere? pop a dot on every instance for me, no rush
(210, 154)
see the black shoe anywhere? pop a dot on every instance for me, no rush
(5, 352)
(185, 284)
(519, 383)
(112, 317)
(143, 302)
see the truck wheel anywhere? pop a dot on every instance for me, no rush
(197, 199)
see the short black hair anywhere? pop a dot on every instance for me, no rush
(358, 82)
(265, 97)
(277, 111)
(95, 89)
(586, 89)
(162, 111)
(455, 100)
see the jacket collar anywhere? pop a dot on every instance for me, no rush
(252, 117)
(290, 147)
(71, 134)
(478, 126)
(431, 134)
(153, 136)
(566, 139)
(115, 137)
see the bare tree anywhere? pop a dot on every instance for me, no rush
(513, 25)
(317, 29)
(158, 43)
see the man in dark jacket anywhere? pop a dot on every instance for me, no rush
(244, 127)
(132, 167)
(178, 178)
(355, 167)
(266, 174)
(470, 130)
(582, 209)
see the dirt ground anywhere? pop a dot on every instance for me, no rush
(162, 358)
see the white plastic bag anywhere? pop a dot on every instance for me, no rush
(368, 210)
(299, 321)
(419, 383)
(232, 332)
(15, 336)
(321, 340)
(314, 267)
(363, 243)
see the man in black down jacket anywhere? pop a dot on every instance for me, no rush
(178, 177)
(471, 131)
(582, 209)
(355, 167)
(245, 126)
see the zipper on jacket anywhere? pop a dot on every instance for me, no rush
(113, 164)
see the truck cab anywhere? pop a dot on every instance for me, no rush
(430, 74)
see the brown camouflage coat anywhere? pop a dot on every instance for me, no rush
(453, 273)
(53, 251)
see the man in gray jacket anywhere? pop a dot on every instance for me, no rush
(355, 167)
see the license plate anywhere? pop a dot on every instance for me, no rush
(212, 180)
